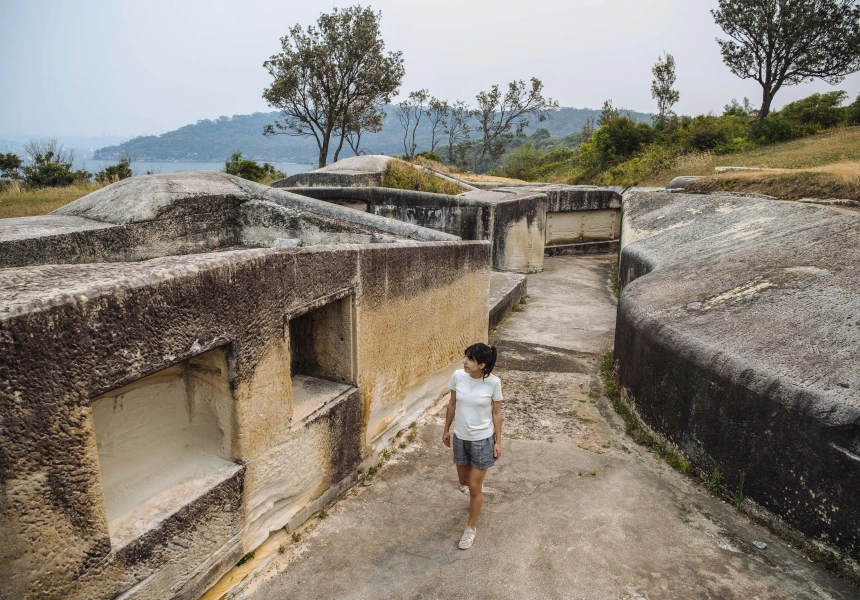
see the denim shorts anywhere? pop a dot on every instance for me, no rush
(479, 454)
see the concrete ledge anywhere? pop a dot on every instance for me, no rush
(737, 338)
(602, 247)
(506, 291)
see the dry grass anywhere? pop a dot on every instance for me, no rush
(402, 175)
(460, 174)
(834, 146)
(840, 180)
(18, 202)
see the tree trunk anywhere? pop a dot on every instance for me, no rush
(766, 99)
(323, 151)
(477, 159)
(339, 147)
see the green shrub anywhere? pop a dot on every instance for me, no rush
(817, 112)
(251, 170)
(773, 129)
(113, 173)
(10, 166)
(47, 170)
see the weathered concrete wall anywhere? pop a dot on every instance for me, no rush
(74, 335)
(355, 171)
(738, 337)
(185, 213)
(513, 220)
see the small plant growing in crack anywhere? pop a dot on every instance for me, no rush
(739, 495)
(281, 549)
(715, 483)
(297, 537)
(246, 558)
(323, 514)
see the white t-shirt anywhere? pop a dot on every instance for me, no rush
(473, 414)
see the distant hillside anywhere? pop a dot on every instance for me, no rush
(209, 140)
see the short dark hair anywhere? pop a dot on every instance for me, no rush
(483, 354)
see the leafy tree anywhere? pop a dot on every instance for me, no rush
(330, 78)
(661, 87)
(10, 166)
(853, 112)
(457, 130)
(370, 122)
(113, 173)
(250, 169)
(437, 113)
(409, 113)
(607, 113)
(788, 42)
(51, 165)
(818, 111)
(503, 116)
(740, 110)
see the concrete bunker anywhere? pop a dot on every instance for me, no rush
(154, 423)
(163, 440)
(737, 340)
(523, 222)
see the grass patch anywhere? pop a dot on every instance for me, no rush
(402, 175)
(840, 180)
(631, 425)
(16, 201)
(826, 148)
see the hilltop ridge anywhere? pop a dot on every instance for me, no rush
(215, 140)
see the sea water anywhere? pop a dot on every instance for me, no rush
(162, 167)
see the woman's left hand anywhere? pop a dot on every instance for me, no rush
(497, 450)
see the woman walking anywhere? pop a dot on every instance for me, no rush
(473, 426)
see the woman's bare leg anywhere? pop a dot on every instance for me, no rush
(464, 472)
(476, 494)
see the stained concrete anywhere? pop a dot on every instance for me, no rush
(738, 339)
(355, 171)
(151, 216)
(157, 518)
(573, 509)
(506, 291)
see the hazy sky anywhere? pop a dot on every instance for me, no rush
(77, 67)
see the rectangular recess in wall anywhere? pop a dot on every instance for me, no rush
(578, 226)
(322, 356)
(163, 441)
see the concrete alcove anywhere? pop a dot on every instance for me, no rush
(163, 441)
(322, 356)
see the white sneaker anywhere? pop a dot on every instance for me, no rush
(464, 489)
(468, 538)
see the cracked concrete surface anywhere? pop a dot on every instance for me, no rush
(573, 509)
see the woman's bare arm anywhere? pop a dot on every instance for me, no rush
(497, 425)
(449, 418)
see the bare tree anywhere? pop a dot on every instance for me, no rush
(661, 87)
(503, 116)
(788, 42)
(409, 113)
(457, 130)
(437, 112)
(50, 150)
(328, 78)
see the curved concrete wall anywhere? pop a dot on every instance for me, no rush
(738, 338)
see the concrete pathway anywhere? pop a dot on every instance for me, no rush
(573, 509)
